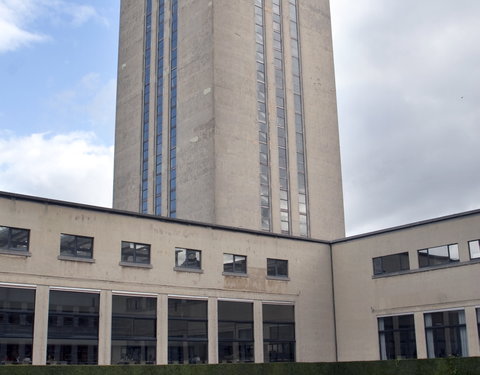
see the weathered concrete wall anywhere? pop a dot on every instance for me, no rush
(361, 298)
(308, 287)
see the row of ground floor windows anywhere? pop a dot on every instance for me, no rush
(73, 329)
(445, 333)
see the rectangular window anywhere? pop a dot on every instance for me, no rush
(187, 331)
(73, 328)
(438, 255)
(76, 246)
(390, 263)
(233, 263)
(188, 258)
(397, 337)
(277, 267)
(446, 334)
(474, 247)
(135, 252)
(134, 330)
(279, 333)
(17, 307)
(235, 332)
(14, 239)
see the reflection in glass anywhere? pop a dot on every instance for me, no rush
(474, 247)
(234, 263)
(397, 337)
(17, 308)
(187, 258)
(277, 267)
(438, 255)
(279, 333)
(187, 331)
(235, 332)
(76, 246)
(135, 252)
(446, 334)
(73, 328)
(134, 326)
(391, 263)
(14, 239)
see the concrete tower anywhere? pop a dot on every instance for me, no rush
(226, 113)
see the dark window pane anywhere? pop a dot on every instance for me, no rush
(73, 328)
(397, 337)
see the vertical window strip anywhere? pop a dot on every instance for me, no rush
(146, 107)
(281, 117)
(173, 111)
(159, 140)
(299, 121)
(262, 118)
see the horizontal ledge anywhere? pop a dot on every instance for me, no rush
(16, 252)
(76, 259)
(184, 269)
(137, 265)
(278, 278)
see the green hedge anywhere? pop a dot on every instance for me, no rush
(450, 366)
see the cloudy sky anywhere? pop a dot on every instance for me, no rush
(408, 81)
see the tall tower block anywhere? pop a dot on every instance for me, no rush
(226, 113)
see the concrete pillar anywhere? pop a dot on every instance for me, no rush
(212, 330)
(162, 329)
(258, 330)
(420, 336)
(40, 332)
(472, 332)
(105, 328)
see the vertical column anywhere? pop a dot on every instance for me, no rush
(420, 335)
(212, 330)
(105, 328)
(258, 330)
(162, 329)
(472, 332)
(40, 333)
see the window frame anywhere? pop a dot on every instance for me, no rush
(12, 250)
(234, 262)
(429, 257)
(134, 262)
(381, 258)
(277, 275)
(383, 332)
(76, 248)
(187, 267)
(460, 329)
(470, 250)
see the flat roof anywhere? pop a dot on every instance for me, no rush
(55, 202)
(107, 210)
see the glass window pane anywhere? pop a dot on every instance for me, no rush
(474, 247)
(227, 262)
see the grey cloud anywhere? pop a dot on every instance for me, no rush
(408, 75)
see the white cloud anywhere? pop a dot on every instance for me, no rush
(69, 167)
(14, 15)
(18, 16)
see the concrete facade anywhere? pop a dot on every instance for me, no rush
(217, 137)
(337, 298)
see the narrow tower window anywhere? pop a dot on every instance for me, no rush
(173, 111)
(159, 141)
(262, 118)
(282, 133)
(146, 107)
(299, 127)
